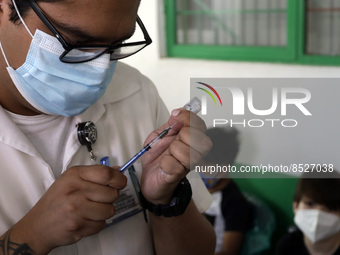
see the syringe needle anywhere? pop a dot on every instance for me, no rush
(161, 135)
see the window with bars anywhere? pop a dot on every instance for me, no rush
(303, 31)
(323, 27)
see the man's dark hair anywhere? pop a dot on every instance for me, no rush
(23, 7)
(321, 187)
(225, 145)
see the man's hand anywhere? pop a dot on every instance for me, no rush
(170, 160)
(75, 206)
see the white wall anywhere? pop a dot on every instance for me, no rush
(172, 76)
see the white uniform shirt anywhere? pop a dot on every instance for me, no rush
(124, 117)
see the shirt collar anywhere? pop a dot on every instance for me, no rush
(118, 90)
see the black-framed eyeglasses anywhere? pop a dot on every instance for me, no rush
(80, 54)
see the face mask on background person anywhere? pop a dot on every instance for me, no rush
(210, 182)
(58, 88)
(316, 224)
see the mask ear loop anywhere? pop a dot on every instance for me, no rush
(23, 22)
(21, 19)
(3, 53)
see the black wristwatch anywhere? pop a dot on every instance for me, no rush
(177, 206)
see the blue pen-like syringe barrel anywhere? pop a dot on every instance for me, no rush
(194, 105)
(160, 136)
(146, 148)
(134, 158)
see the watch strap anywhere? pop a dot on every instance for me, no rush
(179, 202)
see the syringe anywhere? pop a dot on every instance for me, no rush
(194, 105)
(147, 147)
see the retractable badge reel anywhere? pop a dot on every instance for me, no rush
(87, 135)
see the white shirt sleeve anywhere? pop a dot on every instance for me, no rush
(200, 193)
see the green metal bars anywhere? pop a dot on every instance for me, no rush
(252, 30)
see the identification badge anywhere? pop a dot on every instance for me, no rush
(127, 205)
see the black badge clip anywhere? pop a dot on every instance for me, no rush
(87, 135)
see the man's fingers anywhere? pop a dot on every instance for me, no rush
(173, 170)
(99, 193)
(91, 227)
(184, 154)
(196, 139)
(103, 175)
(97, 211)
(184, 118)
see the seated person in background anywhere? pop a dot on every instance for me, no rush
(317, 215)
(230, 213)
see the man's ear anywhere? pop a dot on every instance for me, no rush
(2, 5)
(295, 207)
(4, 11)
(2, 8)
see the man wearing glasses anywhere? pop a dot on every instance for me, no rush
(57, 61)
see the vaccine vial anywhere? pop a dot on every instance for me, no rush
(194, 105)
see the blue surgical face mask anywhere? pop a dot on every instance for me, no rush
(209, 181)
(58, 88)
